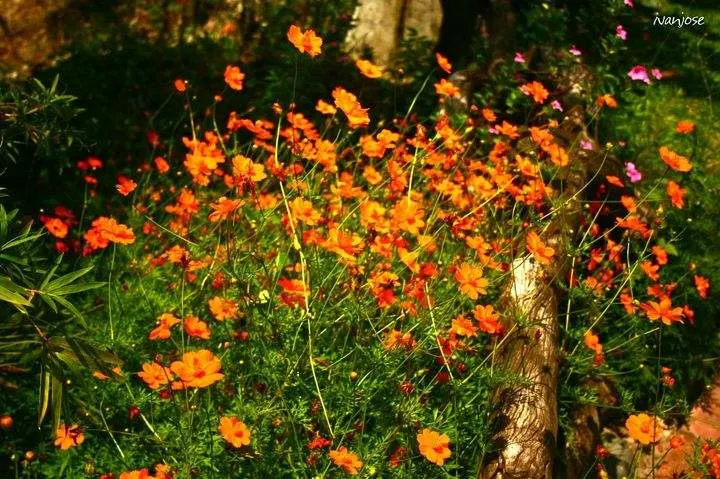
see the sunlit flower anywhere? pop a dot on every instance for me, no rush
(67, 437)
(325, 108)
(685, 127)
(702, 284)
(222, 308)
(165, 322)
(125, 185)
(542, 253)
(536, 90)
(349, 461)
(435, 447)
(198, 369)
(446, 88)
(306, 42)
(234, 77)
(196, 328)
(234, 431)
(369, 69)
(663, 311)
(471, 281)
(488, 319)
(674, 160)
(676, 194)
(155, 375)
(443, 63)
(643, 428)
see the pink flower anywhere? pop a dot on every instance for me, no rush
(556, 105)
(586, 144)
(629, 3)
(574, 50)
(519, 57)
(639, 72)
(632, 172)
(657, 74)
(620, 32)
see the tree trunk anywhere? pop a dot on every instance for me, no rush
(526, 422)
(379, 26)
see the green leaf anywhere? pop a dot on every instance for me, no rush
(57, 394)
(44, 394)
(12, 293)
(72, 309)
(23, 238)
(57, 283)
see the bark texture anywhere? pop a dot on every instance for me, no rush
(380, 25)
(526, 422)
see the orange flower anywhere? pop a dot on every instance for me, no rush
(651, 270)
(446, 88)
(348, 460)
(615, 181)
(488, 319)
(675, 161)
(489, 115)
(676, 194)
(55, 226)
(633, 223)
(325, 108)
(294, 291)
(67, 437)
(180, 85)
(125, 185)
(245, 169)
(234, 431)
(629, 203)
(661, 256)
(106, 230)
(198, 369)
(306, 42)
(606, 100)
(685, 127)
(302, 210)
(234, 77)
(434, 446)
(538, 249)
(222, 308)
(443, 63)
(663, 311)
(408, 216)
(464, 327)
(161, 164)
(162, 331)
(397, 339)
(204, 156)
(136, 474)
(369, 69)
(592, 341)
(643, 428)
(223, 208)
(508, 129)
(155, 375)
(470, 280)
(535, 89)
(702, 284)
(196, 328)
(357, 115)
